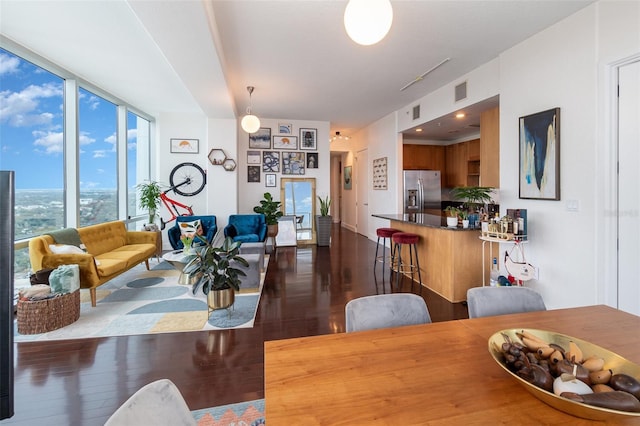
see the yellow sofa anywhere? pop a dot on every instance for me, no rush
(111, 250)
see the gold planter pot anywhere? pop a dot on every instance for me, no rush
(221, 299)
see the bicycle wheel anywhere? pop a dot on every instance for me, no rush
(187, 179)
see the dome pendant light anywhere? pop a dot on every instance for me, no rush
(250, 123)
(368, 21)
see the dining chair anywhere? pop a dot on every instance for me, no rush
(491, 301)
(385, 310)
(157, 403)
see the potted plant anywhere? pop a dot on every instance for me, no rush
(452, 216)
(473, 198)
(149, 198)
(216, 268)
(271, 211)
(323, 222)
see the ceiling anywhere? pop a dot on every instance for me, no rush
(199, 56)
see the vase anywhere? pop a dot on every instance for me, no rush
(221, 299)
(452, 222)
(323, 229)
(465, 223)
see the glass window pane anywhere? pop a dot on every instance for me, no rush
(138, 169)
(97, 124)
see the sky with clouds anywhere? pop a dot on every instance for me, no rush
(32, 129)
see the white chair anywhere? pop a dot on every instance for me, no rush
(385, 310)
(491, 301)
(158, 403)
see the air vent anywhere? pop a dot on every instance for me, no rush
(416, 112)
(461, 91)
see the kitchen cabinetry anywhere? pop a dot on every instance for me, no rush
(423, 157)
(490, 148)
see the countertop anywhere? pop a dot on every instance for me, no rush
(422, 219)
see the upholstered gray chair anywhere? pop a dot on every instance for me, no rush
(385, 310)
(158, 403)
(491, 301)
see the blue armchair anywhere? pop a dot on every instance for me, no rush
(209, 229)
(248, 228)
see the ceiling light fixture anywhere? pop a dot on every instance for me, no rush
(338, 136)
(250, 123)
(368, 21)
(460, 115)
(424, 74)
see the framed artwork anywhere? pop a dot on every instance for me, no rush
(253, 173)
(260, 139)
(285, 128)
(293, 163)
(308, 139)
(287, 235)
(347, 177)
(270, 180)
(270, 161)
(312, 160)
(185, 146)
(285, 142)
(253, 157)
(380, 173)
(539, 170)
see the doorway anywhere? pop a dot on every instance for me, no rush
(362, 192)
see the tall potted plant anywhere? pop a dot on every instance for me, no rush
(149, 198)
(217, 270)
(271, 211)
(323, 222)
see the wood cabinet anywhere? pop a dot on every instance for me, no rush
(490, 148)
(423, 157)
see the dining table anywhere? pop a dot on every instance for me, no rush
(436, 373)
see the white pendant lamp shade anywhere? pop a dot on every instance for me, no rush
(250, 123)
(368, 21)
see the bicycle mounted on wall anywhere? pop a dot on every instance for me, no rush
(186, 179)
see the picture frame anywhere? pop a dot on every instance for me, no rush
(285, 128)
(309, 139)
(253, 174)
(270, 180)
(270, 161)
(253, 157)
(285, 142)
(184, 146)
(293, 163)
(287, 235)
(380, 173)
(348, 178)
(539, 160)
(260, 139)
(312, 160)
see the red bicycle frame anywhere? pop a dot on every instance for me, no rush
(172, 205)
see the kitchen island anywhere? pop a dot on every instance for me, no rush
(450, 258)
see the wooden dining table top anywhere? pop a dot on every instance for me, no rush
(439, 373)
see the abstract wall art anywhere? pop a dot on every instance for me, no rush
(540, 155)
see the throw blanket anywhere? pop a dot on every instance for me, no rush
(67, 236)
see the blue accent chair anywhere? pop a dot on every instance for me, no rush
(209, 229)
(248, 228)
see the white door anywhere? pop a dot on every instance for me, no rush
(362, 192)
(629, 188)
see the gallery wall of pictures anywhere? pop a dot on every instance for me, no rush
(285, 150)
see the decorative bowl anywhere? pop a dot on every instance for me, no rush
(612, 361)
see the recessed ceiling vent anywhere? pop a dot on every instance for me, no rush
(461, 91)
(416, 112)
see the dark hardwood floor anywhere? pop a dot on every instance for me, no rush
(82, 382)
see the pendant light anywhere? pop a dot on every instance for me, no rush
(368, 21)
(250, 123)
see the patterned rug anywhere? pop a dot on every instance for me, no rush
(250, 413)
(143, 302)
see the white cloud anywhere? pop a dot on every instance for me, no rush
(8, 64)
(85, 139)
(21, 108)
(111, 139)
(99, 153)
(51, 142)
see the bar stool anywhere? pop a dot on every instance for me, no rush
(399, 239)
(383, 233)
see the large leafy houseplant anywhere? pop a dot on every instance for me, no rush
(216, 266)
(269, 208)
(149, 198)
(473, 197)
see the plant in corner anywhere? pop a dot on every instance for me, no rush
(323, 222)
(271, 211)
(149, 198)
(216, 268)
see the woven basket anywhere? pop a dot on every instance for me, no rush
(41, 316)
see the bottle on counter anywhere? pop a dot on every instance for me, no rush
(494, 274)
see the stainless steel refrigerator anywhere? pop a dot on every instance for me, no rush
(422, 191)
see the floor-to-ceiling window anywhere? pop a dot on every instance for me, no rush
(33, 117)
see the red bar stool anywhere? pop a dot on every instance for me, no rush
(383, 233)
(399, 239)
